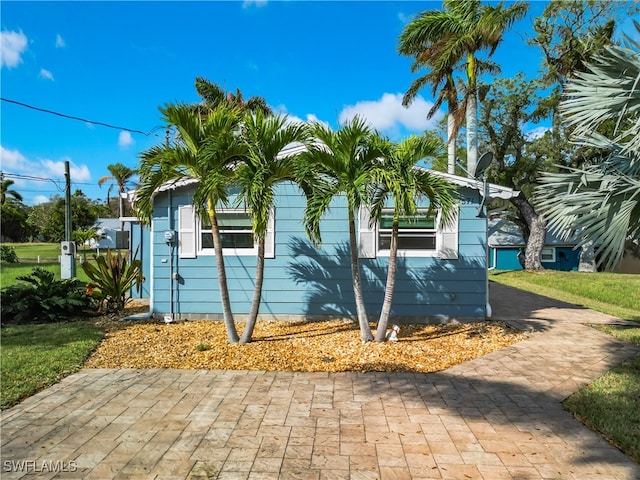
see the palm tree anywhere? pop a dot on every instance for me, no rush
(259, 172)
(121, 175)
(399, 179)
(206, 148)
(83, 236)
(600, 203)
(445, 40)
(7, 190)
(213, 95)
(341, 162)
(413, 44)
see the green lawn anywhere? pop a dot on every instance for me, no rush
(9, 272)
(610, 404)
(36, 356)
(612, 293)
(29, 252)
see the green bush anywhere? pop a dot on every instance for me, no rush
(8, 254)
(43, 299)
(112, 277)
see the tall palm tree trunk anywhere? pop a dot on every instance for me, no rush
(257, 294)
(472, 119)
(232, 333)
(363, 321)
(385, 313)
(451, 142)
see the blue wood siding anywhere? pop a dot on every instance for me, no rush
(140, 240)
(567, 259)
(306, 281)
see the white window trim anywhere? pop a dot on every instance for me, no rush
(235, 252)
(446, 239)
(190, 238)
(553, 255)
(414, 253)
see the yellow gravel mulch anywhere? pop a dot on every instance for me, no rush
(330, 346)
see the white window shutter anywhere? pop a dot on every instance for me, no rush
(448, 248)
(270, 236)
(186, 232)
(366, 234)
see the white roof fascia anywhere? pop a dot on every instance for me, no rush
(495, 191)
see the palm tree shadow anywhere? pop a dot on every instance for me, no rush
(427, 293)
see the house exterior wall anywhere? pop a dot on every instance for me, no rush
(303, 282)
(506, 258)
(140, 242)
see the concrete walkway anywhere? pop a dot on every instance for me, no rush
(497, 417)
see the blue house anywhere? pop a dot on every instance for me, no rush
(442, 273)
(506, 243)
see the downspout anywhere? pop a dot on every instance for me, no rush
(171, 247)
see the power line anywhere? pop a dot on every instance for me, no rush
(71, 117)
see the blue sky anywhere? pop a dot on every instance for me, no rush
(117, 62)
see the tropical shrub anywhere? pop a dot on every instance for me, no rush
(112, 277)
(8, 254)
(43, 299)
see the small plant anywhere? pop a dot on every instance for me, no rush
(203, 347)
(112, 277)
(8, 254)
(43, 299)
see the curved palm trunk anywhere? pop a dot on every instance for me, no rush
(383, 322)
(363, 321)
(232, 333)
(257, 294)
(472, 119)
(451, 143)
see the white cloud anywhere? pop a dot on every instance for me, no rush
(252, 3)
(125, 139)
(404, 18)
(537, 132)
(12, 44)
(47, 171)
(52, 168)
(11, 159)
(310, 117)
(46, 74)
(60, 43)
(38, 199)
(389, 115)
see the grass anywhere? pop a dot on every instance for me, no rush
(610, 404)
(9, 272)
(612, 293)
(29, 252)
(36, 356)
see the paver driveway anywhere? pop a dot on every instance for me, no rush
(495, 417)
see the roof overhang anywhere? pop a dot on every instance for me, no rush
(494, 190)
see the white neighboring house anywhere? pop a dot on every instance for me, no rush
(110, 234)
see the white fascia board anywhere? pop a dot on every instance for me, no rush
(495, 191)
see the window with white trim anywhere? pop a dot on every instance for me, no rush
(235, 233)
(420, 236)
(548, 254)
(235, 226)
(416, 232)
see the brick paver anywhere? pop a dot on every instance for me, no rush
(497, 417)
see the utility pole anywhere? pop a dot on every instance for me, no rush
(68, 257)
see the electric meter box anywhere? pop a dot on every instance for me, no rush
(169, 236)
(68, 248)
